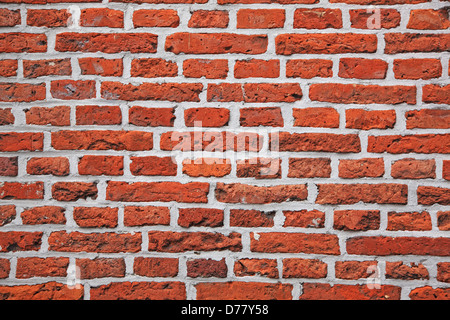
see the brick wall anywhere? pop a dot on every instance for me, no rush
(229, 149)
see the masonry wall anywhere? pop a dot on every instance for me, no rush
(229, 149)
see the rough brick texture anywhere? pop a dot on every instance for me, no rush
(229, 149)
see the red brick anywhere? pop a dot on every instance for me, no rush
(251, 218)
(272, 92)
(435, 93)
(417, 69)
(95, 217)
(309, 168)
(15, 141)
(153, 166)
(101, 66)
(55, 116)
(403, 271)
(324, 291)
(304, 219)
(309, 68)
(107, 242)
(210, 69)
(428, 118)
(271, 242)
(206, 268)
(443, 220)
(209, 19)
(168, 241)
(317, 142)
(106, 42)
(413, 169)
(208, 117)
(223, 2)
(156, 267)
(244, 193)
(73, 191)
(304, 268)
(9, 166)
(153, 68)
(22, 42)
(200, 217)
(41, 267)
(316, 117)
(211, 141)
(48, 18)
(356, 220)
(446, 169)
(384, 2)
(98, 115)
(428, 19)
(362, 94)
(7, 214)
(43, 215)
(102, 140)
(429, 293)
(146, 216)
(22, 191)
(21, 92)
(44, 291)
(243, 291)
(256, 267)
(360, 68)
(6, 117)
(151, 117)
(317, 18)
(206, 167)
(330, 43)
(262, 116)
(420, 143)
(215, 43)
(256, 68)
(100, 165)
(416, 42)
(431, 195)
(57, 166)
(101, 17)
(5, 268)
(8, 67)
(443, 272)
(13, 241)
(259, 168)
(52, 67)
(73, 89)
(175, 92)
(260, 18)
(361, 168)
(162, 1)
(385, 246)
(9, 18)
(101, 268)
(155, 18)
(368, 193)
(369, 19)
(49, 1)
(354, 270)
(192, 192)
(139, 291)
(225, 92)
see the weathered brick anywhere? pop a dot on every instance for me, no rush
(243, 291)
(168, 241)
(270, 242)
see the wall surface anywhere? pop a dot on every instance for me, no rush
(224, 149)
